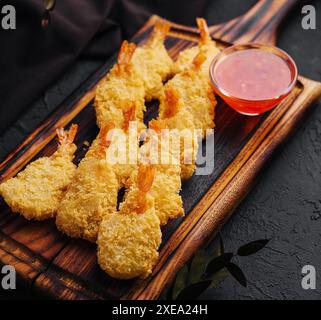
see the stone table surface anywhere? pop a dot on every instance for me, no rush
(284, 205)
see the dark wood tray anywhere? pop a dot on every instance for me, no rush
(67, 268)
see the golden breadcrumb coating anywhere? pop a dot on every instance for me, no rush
(124, 165)
(91, 195)
(206, 45)
(196, 95)
(165, 190)
(37, 191)
(128, 243)
(113, 95)
(126, 113)
(188, 102)
(123, 172)
(185, 58)
(174, 115)
(152, 62)
(167, 181)
(128, 240)
(120, 99)
(120, 87)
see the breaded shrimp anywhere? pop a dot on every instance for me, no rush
(128, 240)
(195, 94)
(37, 191)
(206, 45)
(167, 181)
(174, 115)
(121, 153)
(91, 194)
(153, 63)
(121, 87)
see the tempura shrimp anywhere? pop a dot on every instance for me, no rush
(128, 240)
(36, 192)
(123, 150)
(206, 45)
(195, 94)
(121, 87)
(91, 194)
(153, 63)
(174, 115)
(167, 181)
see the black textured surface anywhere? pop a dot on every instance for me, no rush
(285, 204)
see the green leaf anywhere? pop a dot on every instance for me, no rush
(49, 4)
(236, 273)
(218, 277)
(219, 250)
(252, 247)
(216, 253)
(198, 267)
(180, 281)
(193, 291)
(219, 263)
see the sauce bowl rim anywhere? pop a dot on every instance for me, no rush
(252, 45)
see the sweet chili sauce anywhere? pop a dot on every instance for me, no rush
(253, 78)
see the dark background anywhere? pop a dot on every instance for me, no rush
(285, 204)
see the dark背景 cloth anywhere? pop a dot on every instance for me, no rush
(32, 58)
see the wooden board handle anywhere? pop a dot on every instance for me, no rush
(259, 24)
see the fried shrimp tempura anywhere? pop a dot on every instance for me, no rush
(195, 94)
(37, 191)
(206, 45)
(128, 240)
(121, 87)
(174, 115)
(123, 149)
(167, 180)
(153, 63)
(91, 194)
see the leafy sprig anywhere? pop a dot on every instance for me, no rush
(206, 271)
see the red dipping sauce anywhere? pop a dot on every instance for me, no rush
(253, 78)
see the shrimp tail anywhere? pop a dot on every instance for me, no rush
(145, 179)
(160, 32)
(129, 114)
(125, 55)
(211, 97)
(157, 125)
(103, 140)
(199, 59)
(67, 137)
(204, 32)
(172, 102)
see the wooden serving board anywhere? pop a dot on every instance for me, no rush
(66, 268)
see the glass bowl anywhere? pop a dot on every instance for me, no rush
(252, 106)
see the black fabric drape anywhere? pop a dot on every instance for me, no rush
(31, 58)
